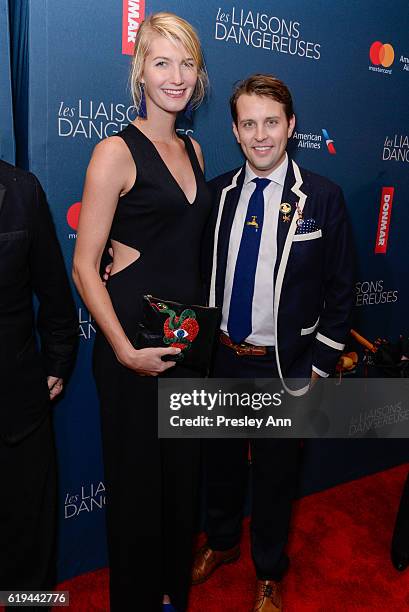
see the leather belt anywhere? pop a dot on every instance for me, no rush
(245, 348)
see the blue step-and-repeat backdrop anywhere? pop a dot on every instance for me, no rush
(347, 64)
(7, 150)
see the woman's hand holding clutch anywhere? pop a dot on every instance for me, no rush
(148, 361)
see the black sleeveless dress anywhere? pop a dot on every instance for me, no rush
(151, 484)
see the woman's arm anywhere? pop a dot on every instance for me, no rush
(110, 173)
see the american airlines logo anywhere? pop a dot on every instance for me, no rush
(384, 220)
(132, 16)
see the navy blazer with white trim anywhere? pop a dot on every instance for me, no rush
(314, 272)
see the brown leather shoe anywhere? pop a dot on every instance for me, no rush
(208, 560)
(268, 596)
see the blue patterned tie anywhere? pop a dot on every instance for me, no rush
(239, 322)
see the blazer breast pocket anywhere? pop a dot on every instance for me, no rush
(306, 254)
(308, 236)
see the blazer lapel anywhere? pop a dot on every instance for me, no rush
(227, 204)
(296, 198)
(289, 200)
(292, 198)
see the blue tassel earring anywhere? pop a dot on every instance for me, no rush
(142, 113)
(188, 112)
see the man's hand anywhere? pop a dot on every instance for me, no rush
(55, 386)
(314, 377)
(108, 268)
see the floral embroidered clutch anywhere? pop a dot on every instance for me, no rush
(188, 327)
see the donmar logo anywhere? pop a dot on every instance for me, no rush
(329, 142)
(384, 219)
(381, 55)
(132, 16)
(73, 215)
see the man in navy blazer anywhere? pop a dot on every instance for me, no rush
(281, 269)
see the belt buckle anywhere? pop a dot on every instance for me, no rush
(241, 349)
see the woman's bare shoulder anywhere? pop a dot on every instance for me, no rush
(112, 149)
(112, 157)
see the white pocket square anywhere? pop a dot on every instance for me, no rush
(308, 236)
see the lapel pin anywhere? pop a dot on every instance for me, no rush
(300, 219)
(285, 208)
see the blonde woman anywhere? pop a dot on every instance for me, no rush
(145, 192)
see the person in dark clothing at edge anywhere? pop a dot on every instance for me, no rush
(32, 376)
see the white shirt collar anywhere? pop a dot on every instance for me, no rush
(277, 175)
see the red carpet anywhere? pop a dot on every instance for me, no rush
(339, 552)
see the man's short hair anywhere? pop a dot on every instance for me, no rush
(263, 85)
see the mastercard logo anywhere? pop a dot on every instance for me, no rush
(381, 54)
(73, 215)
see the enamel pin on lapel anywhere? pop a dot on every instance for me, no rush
(253, 222)
(300, 219)
(285, 208)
